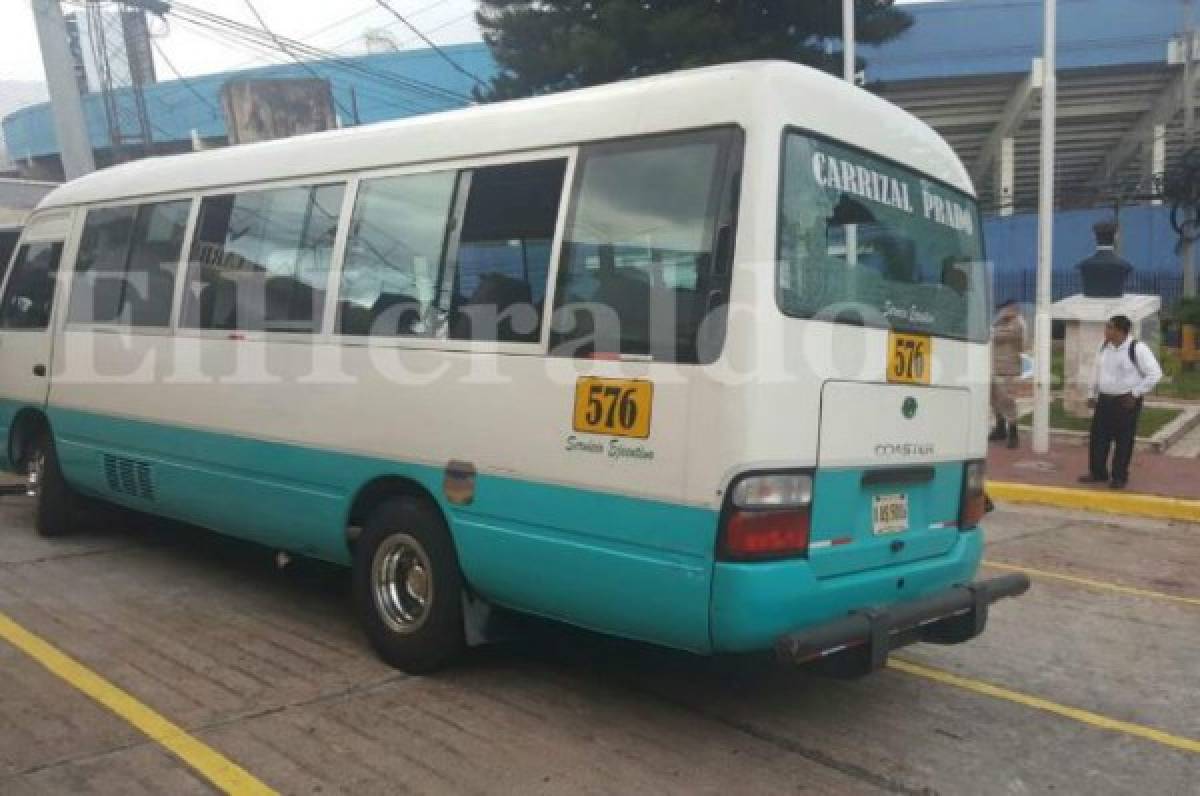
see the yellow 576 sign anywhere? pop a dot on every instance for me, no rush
(617, 407)
(910, 358)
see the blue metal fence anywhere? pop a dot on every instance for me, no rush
(1022, 285)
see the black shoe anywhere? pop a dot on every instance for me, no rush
(1117, 483)
(1091, 479)
(1013, 441)
(999, 432)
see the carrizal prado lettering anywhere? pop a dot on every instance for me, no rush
(861, 181)
(875, 186)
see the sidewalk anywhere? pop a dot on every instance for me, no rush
(1159, 486)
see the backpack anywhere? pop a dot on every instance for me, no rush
(1133, 357)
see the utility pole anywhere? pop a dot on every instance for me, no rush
(1188, 254)
(70, 127)
(1045, 264)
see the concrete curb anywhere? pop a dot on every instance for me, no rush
(1178, 428)
(1108, 502)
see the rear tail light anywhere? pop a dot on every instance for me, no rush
(974, 501)
(768, 516)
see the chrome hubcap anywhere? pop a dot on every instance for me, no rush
(34, 472)
(401, 583)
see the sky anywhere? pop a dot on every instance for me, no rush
(329, 25)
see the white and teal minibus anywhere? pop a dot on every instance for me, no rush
(699, 360)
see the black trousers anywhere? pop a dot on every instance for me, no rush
(1112, 424)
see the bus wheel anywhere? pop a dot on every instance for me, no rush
(408, 586)
(54, 502)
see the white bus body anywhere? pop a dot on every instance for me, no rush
(288, 435)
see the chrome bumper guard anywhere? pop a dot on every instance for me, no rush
(862, 639)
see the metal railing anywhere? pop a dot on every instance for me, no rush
(1022, 285)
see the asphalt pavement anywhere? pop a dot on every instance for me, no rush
(142, 657)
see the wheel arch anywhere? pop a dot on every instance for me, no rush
(385, 487)
(26, 424)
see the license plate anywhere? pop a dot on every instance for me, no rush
(616, 407)
(910, 358)
(890, 513)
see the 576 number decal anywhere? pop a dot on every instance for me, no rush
(910, 357)
(616, 407)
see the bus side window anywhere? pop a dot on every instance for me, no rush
(502, 261)
(29, 295)
(394, 253)
(637, 265)
(125, 270)
(260, 260)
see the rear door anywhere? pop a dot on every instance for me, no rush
(889, 478)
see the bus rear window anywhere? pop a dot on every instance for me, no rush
(864, 241)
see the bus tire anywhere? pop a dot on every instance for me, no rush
(408, 585)
(56, 506)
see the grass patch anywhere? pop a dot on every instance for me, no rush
(1150, 422)
(1178, 382)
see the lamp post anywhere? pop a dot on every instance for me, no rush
(1188, 254)
(848, 62)
(1045, 263)
(848, 70)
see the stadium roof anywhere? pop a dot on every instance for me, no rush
(969, 70)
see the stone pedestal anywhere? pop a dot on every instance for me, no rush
(1085, 318)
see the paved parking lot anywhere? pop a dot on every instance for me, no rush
(259, 677)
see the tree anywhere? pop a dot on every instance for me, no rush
(544, 46)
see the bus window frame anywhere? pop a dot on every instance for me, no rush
(442, 342)
(781, 175)
(65, 226)
(80, 226)
(728, 209)
(52, 318)
(75, 239)
(257, 335)
(727, 200)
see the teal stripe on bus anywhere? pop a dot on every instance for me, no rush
(630, 566)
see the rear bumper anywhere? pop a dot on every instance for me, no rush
(953, 615)
(755, 603)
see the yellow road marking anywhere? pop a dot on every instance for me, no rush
(1075, 714)
(1094, 584)
(209, 763)
(1107, 500)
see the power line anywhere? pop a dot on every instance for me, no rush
(374, 92)
(316, 32)
(393, 23)
(186, 83)
(226, 26)
(478, 81)
(442, 25)
(307, 68)
(265, 43)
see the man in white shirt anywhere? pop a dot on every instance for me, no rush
(1125, 371)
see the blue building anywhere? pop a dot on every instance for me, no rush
(969, 68)
(365, 89)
